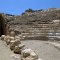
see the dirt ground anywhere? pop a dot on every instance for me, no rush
(44, 50)
(6, 53)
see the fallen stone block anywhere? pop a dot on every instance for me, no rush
(30, 58)
(3, 37)
(8, 39)
(17, 38)
(18, 48)
(27, 58)
(14, 43)
(12, 32)
(8, 42)
(17, 42)
(28, 54)
(21, 46)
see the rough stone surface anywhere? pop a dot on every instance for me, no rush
(28, 54)
(17, 50)
(14, 43)
(3, 37)
(8, 39)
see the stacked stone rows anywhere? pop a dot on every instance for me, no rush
(44, 31)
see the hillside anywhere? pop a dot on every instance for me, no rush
(35, 22)
(33, 16)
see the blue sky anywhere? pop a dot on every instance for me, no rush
(18, 6)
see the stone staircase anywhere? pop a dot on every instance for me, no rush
(43, 30)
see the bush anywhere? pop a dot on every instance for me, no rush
(29, 10)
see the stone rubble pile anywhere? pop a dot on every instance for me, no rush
(17, 47)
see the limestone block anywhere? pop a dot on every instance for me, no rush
(18, 48)
(33, 55)
(21, 46)
(3, 37)
(12, 38)
(14, 43)
(8, 39)
(17, 42)
(27, 58)
(25, 53)
(17, 37)
(12, 32)
(28, 54)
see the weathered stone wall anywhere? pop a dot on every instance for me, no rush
(2, 25)
(39, 31)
